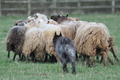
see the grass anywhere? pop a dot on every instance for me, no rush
(14, 70)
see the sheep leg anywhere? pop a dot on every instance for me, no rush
(22, 57)
(14, 57)
(26, 58)
(110, 60)
(56, 56)
(8, 54)
(101, 59)
(73, 68)
(86, 59)
(46, 58)
(32, 55)
(52, 58)
(80, 56)
(104, 58)
(97, 57)
(19, 56)
(113, 52)
(92, 61)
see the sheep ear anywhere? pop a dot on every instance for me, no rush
(67, 15)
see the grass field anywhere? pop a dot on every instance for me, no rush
(14, 70)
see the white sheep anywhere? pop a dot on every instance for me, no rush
(34, 42)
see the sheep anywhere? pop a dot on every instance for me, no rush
(93, 40)
(111, 47)
(15, 39)
(34, 43)
(66, 51)
(62, 18)
(31, 23)
(49, 34)
(68, 27)
(55, 17)
(48, 31)
(19, 23)
(18, 31)
(38, 21)
(41, 16)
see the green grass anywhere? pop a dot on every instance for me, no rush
(14, 70)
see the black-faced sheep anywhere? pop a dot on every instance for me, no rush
(55, 17)
(66, 52)
(62, 18)
(20, 23)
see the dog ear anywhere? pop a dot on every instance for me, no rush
(55, 34)
(60, 34)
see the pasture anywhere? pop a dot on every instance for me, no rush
(14, 70)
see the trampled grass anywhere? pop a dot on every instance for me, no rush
(14, 70)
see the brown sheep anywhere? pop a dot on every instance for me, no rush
(92, 40)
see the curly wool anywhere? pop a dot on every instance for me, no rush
(15, 39)
(34, 42)
(90, 37)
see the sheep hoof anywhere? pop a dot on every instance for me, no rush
(117, 60)
(105, 66)
(112, 63)
(26, 61)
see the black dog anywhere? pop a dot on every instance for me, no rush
(66, 52)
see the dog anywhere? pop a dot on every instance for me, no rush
(66, 51)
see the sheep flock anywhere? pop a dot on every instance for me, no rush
(32, 39)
